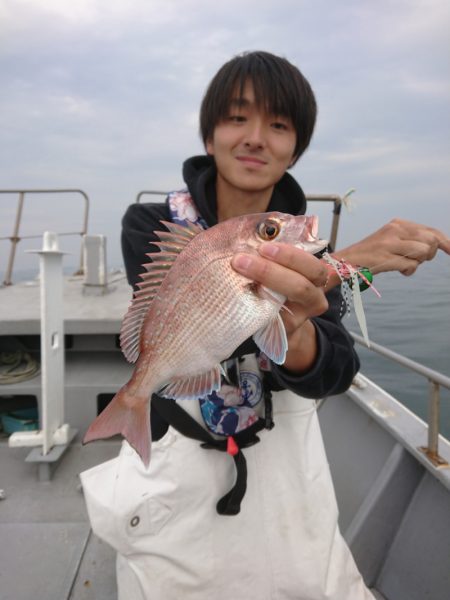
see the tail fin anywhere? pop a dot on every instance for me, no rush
(131, 419)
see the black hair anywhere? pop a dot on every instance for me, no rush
(279, 87)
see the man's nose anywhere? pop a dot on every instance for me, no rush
(255, 137)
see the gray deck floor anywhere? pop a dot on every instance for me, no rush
(395, 510)
(47, 550)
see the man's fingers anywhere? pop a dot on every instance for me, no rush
(431, 237)
(270, 274)
(297, 260)
(444, 245)
(291, 284)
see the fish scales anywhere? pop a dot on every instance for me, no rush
(198, 312)
(195, 325)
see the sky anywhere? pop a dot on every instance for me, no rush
(103, 95)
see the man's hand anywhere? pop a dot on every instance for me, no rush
(300, 277)
(398, 246)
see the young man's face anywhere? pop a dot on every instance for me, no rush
(252, 149)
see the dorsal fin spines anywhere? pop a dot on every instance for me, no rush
(196, 228)
(153, 273)
(147, 285)
(162, 259)
(171, 238)
(171, 244)
(178, 230)
(188, 230)
(154, 266)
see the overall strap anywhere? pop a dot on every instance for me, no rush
(183, 210)
(180, 420)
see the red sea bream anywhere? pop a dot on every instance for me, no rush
(192, 310)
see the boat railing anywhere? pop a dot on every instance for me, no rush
(334, 198)
(435, 381)
(150, 193)
(16, 237)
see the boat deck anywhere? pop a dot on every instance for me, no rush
(47, 549)
(86, 309)
(394, 511)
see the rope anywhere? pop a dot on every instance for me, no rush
(12, 361)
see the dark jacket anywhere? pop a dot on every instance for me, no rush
(336, 362)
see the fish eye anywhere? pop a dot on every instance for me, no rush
(268, 229)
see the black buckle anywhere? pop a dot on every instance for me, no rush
(220, 446)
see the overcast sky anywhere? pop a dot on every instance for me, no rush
(103, 95)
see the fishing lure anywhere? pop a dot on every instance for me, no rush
(354, 280)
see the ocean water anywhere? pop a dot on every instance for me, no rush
(412, 317)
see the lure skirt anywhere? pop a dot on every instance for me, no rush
(285, 543)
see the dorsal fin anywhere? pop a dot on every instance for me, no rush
(189, 231)
(171, 245)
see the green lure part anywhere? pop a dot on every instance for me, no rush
(364, 281)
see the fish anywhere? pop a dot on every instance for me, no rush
(191, 311)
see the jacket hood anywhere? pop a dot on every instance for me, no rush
(199, 174)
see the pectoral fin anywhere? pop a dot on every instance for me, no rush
(272, 340)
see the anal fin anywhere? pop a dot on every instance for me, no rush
(194, 387)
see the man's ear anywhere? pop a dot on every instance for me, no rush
(209, 147)
(294, 159)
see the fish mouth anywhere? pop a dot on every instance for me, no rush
(313, 233)
(314, 226)
(311, 240)
(313, 246)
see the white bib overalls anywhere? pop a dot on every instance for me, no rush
(284, 544)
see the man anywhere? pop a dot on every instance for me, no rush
(279, 539)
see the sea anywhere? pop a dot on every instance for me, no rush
(412, 317)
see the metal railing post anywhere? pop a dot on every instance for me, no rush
(335, 222)
(54, 436)
(433, 418)
(435, 380)
(14, 240)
